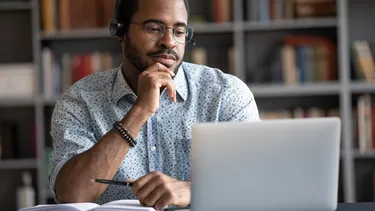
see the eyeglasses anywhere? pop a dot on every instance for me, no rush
(154, 31)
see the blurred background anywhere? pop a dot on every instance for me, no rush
(300, 58)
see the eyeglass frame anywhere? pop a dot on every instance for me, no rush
(166, 27)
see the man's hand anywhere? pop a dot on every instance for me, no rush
(150, 84)
(159, 190)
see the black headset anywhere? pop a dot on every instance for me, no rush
(116, 26)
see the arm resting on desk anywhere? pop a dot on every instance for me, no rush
(100, 161)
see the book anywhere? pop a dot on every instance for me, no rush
(66, 15)
(126, 205)
(364, 63)
(17, 80)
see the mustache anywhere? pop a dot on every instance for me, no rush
(164, 51)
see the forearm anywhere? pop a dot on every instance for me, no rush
(101, 161)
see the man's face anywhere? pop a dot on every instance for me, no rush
(140, 50)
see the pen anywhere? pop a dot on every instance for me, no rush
(113, 182)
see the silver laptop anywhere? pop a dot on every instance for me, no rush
(272, 165)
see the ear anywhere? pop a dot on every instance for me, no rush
(122, 39)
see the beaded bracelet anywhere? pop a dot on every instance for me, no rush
(125, 133)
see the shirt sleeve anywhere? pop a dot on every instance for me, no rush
(71, 133)
(238, 102)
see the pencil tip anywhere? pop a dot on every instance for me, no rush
(92, 180)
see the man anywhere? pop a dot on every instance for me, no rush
(156, 98)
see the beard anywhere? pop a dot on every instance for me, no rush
(134, 57)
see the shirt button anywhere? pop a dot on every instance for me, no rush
(153, 148)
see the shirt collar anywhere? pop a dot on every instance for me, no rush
(181, 83)
(121, 88)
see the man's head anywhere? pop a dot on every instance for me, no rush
(144, 22)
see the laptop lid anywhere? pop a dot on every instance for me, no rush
(289, 164)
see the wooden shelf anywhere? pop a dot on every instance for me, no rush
(213, 27)
(17, 101)
(364, 155)
(77, 34)
(15, 6)
(291, 24)
(361, 87)
(294, 90)
(18, 164)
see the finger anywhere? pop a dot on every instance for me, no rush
(171, 87)
(144, 193)
(139, 183)
(164, 201)
(156, 181)
(153, 197)
(163, 79)
(162, 74)
(161, 68)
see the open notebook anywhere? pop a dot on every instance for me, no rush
(126, 205)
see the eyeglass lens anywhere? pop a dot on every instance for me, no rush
(181, 34)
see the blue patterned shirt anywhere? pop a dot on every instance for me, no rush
(85, 112)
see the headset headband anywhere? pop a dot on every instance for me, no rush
(117, 9)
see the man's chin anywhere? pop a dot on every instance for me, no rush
(173, 67)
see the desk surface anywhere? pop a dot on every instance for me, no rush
(365, 206)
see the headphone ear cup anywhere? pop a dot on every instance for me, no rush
(116, 28)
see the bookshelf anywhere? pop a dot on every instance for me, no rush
(253, 41)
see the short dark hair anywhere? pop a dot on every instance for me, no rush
(128, 8)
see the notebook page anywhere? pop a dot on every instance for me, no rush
(128, 205)
(62, 207)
